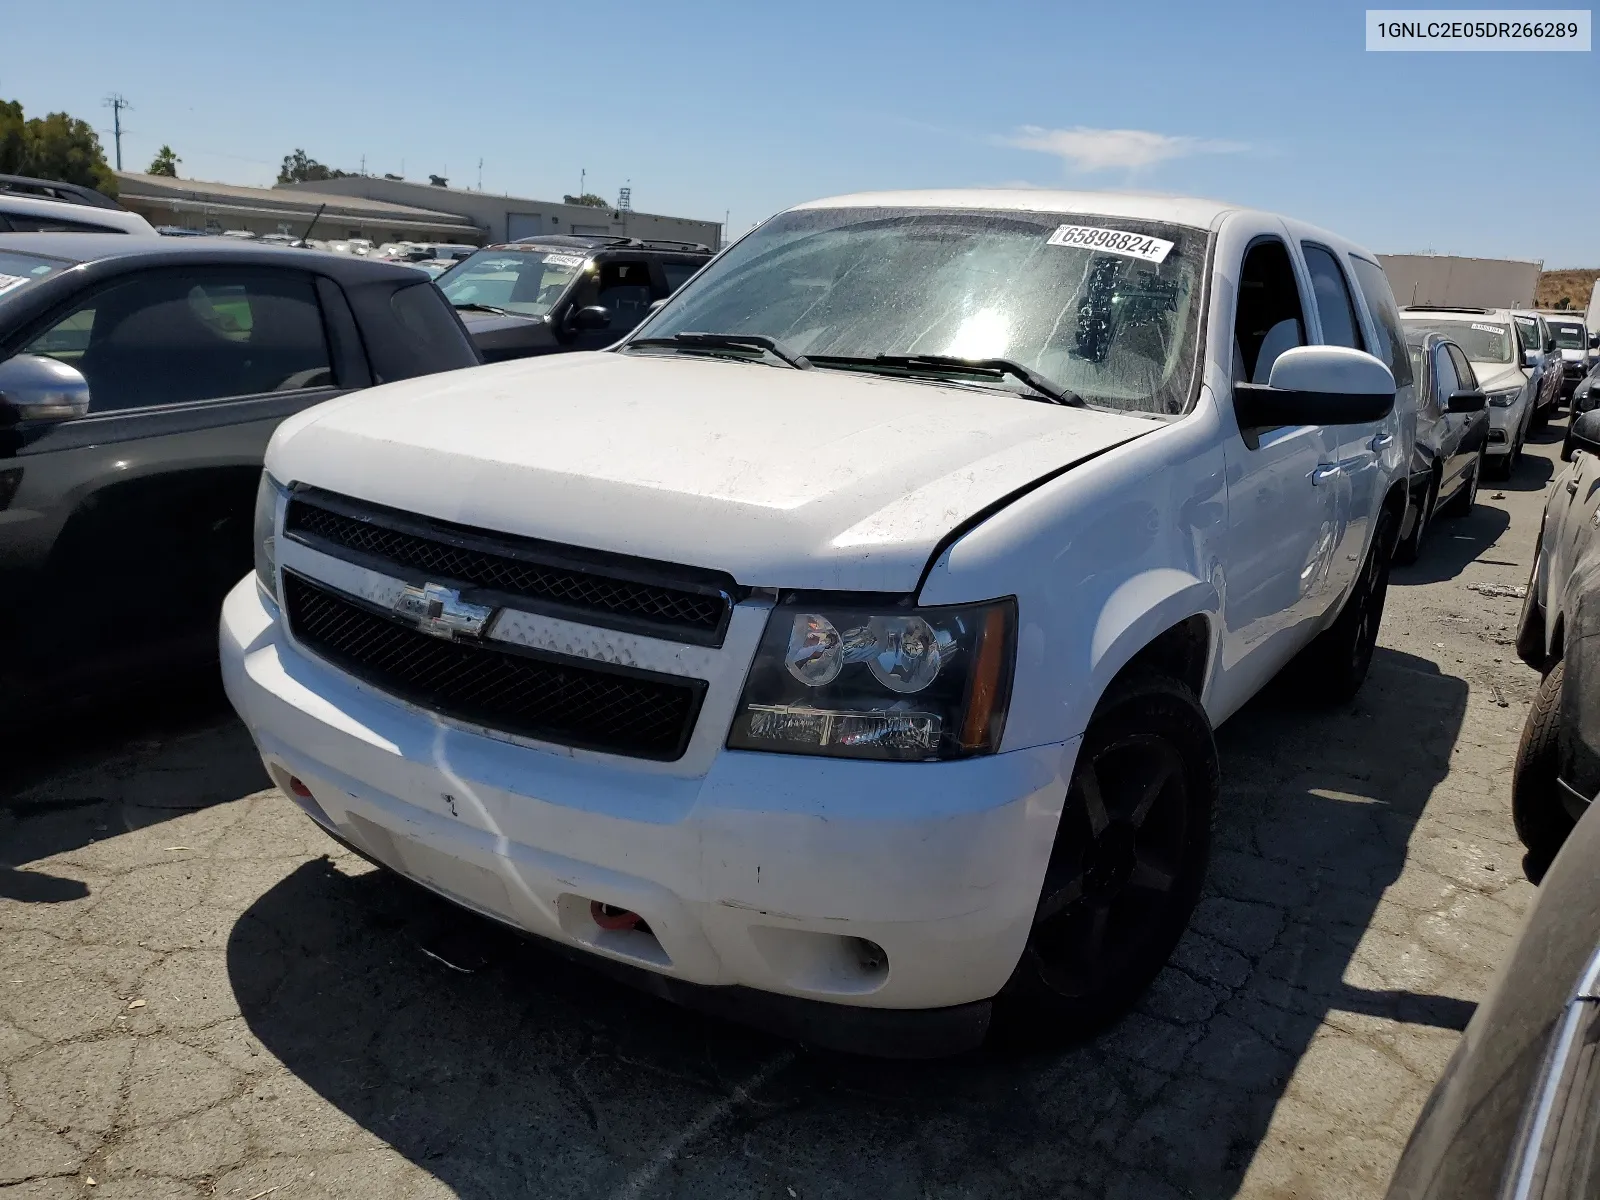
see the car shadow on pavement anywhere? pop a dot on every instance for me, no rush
(1452, 543)
(535, 1076)
(124, 763)
(1533, 472)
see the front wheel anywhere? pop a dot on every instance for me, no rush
(1125, 872)
(1410, 548)
(1461, 504)
(1336, 664)
(1541, 819)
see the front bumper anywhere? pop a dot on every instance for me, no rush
(889, 886)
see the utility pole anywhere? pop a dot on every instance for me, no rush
(480, 174)
(116, 104)
(363, 164)
(583, 178)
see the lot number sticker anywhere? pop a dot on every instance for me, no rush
(1112, 241)
(7, 282)
(563, 260)
(1495, 329)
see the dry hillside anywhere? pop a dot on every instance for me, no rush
(1572, 286)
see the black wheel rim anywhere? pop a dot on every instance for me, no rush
(1115, 873)
(1370, 593)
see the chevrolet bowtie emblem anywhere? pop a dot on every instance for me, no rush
(440, 611)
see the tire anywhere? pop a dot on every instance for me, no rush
(1461, 504)
(1125, 873)
(1336, 664)
(1541, 819)
(1408, 549)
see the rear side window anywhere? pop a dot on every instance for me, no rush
(170, 337)
(430, 323)
(1391, 347)
(678, 273)
(1338, 311)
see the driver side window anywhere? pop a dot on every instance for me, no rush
(1269, 318)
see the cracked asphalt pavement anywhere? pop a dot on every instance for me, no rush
(200, 995)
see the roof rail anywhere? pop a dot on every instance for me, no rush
(1460, 308)
(670, 244)
(52, 189)
(591, 240)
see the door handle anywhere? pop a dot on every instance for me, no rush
(1380, 441)
(1323, 471)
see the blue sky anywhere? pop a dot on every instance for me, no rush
(709, 107)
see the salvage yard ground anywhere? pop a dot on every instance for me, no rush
(200, 995)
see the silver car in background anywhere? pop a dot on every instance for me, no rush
(1489, 339)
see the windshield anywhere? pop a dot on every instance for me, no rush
(1568, 336)
(1483, 341)
(524, 280)
(16, 270)
(1106, 307)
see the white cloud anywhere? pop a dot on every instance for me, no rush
(1102, 149)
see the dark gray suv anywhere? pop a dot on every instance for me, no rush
(140, 380)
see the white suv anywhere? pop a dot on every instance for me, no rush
(842, 650)
(1488, 336)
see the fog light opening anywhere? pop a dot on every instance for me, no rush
(870, 956)
(299, 789)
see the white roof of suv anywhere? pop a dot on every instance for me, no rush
(1179, 210)
(1422, 312)
(71, 218)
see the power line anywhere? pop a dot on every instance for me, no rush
(116, 104)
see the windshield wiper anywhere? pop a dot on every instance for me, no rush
(731, 341)
(992, 367)
(488, 308)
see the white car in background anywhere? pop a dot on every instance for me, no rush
(841, 651)
(1489, 339)
(21, 213)
(1573, 344)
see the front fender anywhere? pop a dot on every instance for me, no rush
(1140, 610)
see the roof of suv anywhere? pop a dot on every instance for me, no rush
(1422, 312)
(596, 243)
(1179, 210)
(80, 248)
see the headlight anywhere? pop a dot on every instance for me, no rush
(1504, 399)
(263, 531)
(905, 684)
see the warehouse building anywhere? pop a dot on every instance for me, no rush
(215, 207)
(505, 218)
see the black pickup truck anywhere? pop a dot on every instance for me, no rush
(140, 380)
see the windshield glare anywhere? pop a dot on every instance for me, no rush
(527, 281)
(1568, 337)
(1481, 341)
(1107, 307)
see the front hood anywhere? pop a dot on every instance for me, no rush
(1498, 377)
(481, 322)
(795, 479)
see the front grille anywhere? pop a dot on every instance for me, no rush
(519, 571)
(548, 697)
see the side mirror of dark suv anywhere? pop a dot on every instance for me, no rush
(1467, 400)
(35, 389)
(593, 316)
(1584, 434)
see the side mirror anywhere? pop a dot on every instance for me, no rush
(35, 389)
(1467, 400)
(1583, 434)
(1317, 385)
(1530, 358)
(593, 316)
(1594, 341)
(1549, 345)
(655, 304)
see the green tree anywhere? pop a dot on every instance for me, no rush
(588, 200)
(56, 146)
(299, 167)
(165, 162)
